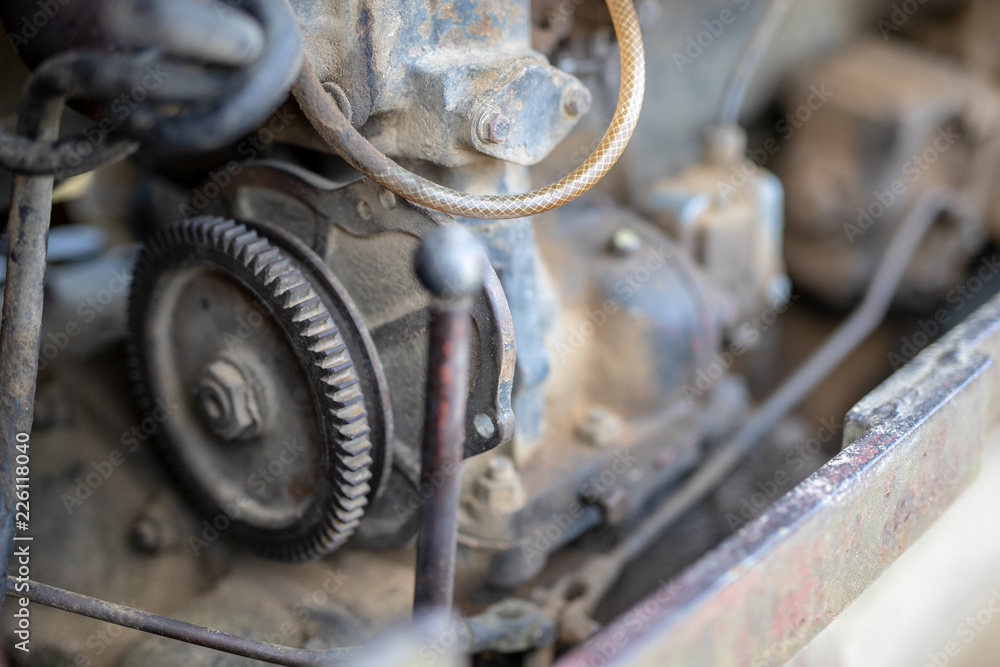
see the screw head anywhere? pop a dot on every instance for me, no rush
(625, 241)
(147, 535)
(600, 427)
(228, 402)
(577, 101)
(497, 129)
(501, 469)
(500, 488)
(484, 426)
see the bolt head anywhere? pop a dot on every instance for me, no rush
(485, 428)
(497, 129)
(577, 101)
(501, 469)
(500, 489)
(625, 241)
(147, 535)
(601, 427)
(228, 402)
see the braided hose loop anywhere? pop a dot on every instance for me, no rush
(338, 132)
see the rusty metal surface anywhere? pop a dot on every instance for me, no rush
(764, 593)
(451, 267)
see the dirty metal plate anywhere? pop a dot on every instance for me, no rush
(767, 591)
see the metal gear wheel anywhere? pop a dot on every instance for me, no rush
(278, 417)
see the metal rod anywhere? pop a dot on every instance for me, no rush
(21, 326)
(761, 39)
(450, 263)
(127, 617)
(596, 578)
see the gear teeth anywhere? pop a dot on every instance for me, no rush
(229, 236)
(275, 270)
(253, 250)
(286, 282)
(329, 344)
(310, 308)
(354, 430)
(299, 295)
(265, 258)
(342, 379)
(355, 447)
(292, 300)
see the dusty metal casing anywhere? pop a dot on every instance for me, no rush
(896, 122)
(911, 447)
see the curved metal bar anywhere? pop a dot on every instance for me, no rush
(127, 617)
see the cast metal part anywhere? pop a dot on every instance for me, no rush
(912, 446)
(368, 237)
(282, 427)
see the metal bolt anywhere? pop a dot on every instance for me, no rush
(340, 97)
(500, 488)
(613, 504)
(625, 241)
(502, 469)
(484, 426)
(228, 402)
(497, 129)
(147, 535)
(601, 427)
(576, 101)
(387, 199)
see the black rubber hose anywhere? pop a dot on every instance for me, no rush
(240, 105)
(207, 33)
(256, 93)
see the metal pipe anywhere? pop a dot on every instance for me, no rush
(254, 95)
(331, 124)
(450, 263)
(144, 621)
(21, 326)
(761, 39)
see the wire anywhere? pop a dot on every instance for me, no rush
(753, 52)
(858, 326)
(337, 131)
(239, 101)
(127, 617)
